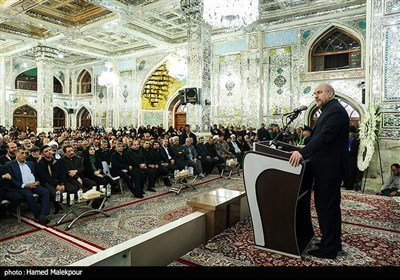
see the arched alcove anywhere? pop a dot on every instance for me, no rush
(84, 82)
(335, 49)
(84, 118)
(58, 118)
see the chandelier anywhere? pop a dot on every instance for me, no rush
(230, 13)
(177, 67)
(108, 78)
(45, 52)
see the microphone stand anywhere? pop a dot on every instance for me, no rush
(291, 118)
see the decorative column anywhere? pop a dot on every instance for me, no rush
(199, 63)
(44, 60)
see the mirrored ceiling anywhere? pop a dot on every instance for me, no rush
(86, 31)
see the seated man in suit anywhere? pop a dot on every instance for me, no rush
(23, 178)
(8, 192)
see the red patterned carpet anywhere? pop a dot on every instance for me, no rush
(371, 238)
(31, 244)
(371, 233)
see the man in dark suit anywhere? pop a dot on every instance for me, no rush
(23, 179)
(121, 166)
(8, 192)
(328, 155)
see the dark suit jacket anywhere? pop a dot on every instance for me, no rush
(15, 172)
(163, 154)
(328, 147)
(118, 162)
(58, 174)
(5, 183)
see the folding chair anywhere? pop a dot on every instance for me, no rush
(106, 171)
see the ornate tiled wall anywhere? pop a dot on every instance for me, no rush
(153, 118)
(384, 64)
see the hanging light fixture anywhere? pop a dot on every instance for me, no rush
(230, 13)
(108, 78)
(177, 67)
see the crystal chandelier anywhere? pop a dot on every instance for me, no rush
(230, 13)
(108, 78)
(177, 67)
(45, 53)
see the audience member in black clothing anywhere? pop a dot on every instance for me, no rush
(166, 157)
(152, 168)
(73, 168)
(52, 177)
(10, 155)
(163, 169)
(121, 166)
(34, 154)
(207, 161)
(187, 133)
(210, 146)
(104, 153)
(138, 163)
(93, 169)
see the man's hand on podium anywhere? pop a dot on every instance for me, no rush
(295, 158)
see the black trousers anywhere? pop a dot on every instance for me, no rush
(327, 204)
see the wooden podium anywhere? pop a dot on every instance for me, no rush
(279, 199)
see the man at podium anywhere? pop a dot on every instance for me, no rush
(327, 152)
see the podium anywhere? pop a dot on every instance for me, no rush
(279, 197)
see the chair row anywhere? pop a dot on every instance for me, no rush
(18, 210)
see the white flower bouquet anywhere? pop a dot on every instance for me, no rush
(368, 135)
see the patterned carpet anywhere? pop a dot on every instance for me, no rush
(371, 233)
(371, 237)
(31, 244)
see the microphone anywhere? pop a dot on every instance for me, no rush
(297, 110)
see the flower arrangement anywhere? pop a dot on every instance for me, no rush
(368, 135)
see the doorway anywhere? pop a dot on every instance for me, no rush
(85, 118)
(180, 117)
(25, 117)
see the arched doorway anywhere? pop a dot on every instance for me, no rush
(58, 118)
(180, 116)
(352, 111)
(85, 118)
(25, 116)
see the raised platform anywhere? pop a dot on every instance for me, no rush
(222, 208)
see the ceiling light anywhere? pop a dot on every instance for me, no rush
(230, 13)
(108, 78)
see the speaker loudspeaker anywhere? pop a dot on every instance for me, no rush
(191, 95)
(182, 96)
